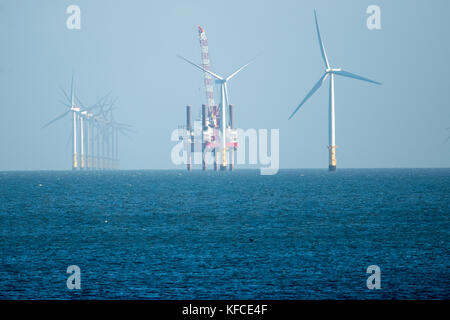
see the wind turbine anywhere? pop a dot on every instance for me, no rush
(100, 119)
(329, 72)
(75, 110)
(106, 133)
(115, 128)
(108, 130)
(87, 147)
(224, 98)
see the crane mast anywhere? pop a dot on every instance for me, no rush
(206, 64)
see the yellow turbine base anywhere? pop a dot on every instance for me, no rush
(224, 157)
(332, 160)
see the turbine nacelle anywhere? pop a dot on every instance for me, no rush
(87, 114)
(331, 70)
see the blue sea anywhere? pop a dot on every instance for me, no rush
(300, 234)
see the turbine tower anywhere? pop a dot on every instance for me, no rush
(329, 72)
(224, 98)
(75, 111)
(86, 118)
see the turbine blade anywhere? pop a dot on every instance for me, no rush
(125, 133)
(56, 119)
(310, 93)
(99, 102)
(201, 68)
(79, 102)
(64, 103)
(71, 91)
(227, 99)
(322, 49)
(354, 76)
(237, 71)
(65, 94)
(112, 103)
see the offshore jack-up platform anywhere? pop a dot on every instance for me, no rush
(206, 136)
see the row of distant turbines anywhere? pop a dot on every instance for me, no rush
(95, 132)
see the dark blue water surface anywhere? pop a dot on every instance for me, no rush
(301, 234)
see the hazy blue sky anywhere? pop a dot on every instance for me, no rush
(130, 47)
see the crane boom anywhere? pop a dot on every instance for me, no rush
(206, 64)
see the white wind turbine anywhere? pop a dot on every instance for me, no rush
(75, 110)
(224, 99)
(86, 129)
(329, 72)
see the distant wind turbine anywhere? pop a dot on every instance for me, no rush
(75, 110)
(224, 98)
(329, 72)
